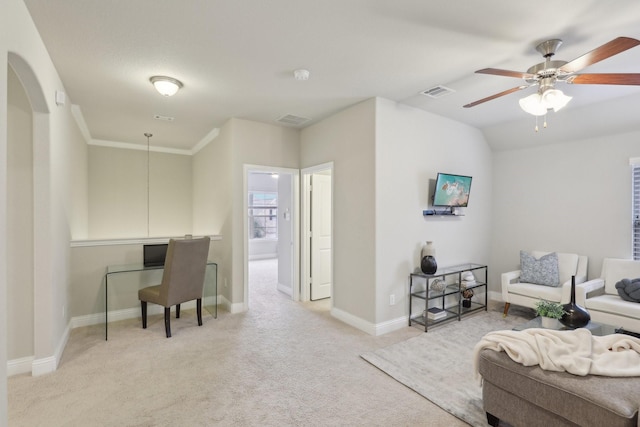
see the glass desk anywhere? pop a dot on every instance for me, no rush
(210, 292)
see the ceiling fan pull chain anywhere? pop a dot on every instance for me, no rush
(544, 125)
(536, 128)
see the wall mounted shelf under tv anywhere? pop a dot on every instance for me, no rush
(442, 212)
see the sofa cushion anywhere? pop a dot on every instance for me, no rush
(541, 271)
(614, 270)
(549, 293)
(613, 304)
(629, 289)
(591, 400)
(567, 264)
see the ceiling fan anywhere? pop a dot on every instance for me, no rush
(546, 74)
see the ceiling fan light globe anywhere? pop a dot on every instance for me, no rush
(555, 99)
(533, 105)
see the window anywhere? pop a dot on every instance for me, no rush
(635, 173)
(263, 215)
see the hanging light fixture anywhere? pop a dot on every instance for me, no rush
(166, 86)
(148, 135)
(539, 103)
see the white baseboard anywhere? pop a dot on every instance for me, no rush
(19, 366)
(354, 321)
(37, 367)
(285, 289)
(257, 257)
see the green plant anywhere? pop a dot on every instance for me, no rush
(550, 309)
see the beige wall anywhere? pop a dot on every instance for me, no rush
(118, 194)
(212, 202)
(89, 263)
(348, 140)
(56, 165)
(20, 313)
(569, 197)
(261, 144)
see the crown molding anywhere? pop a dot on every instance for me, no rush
(76, 112)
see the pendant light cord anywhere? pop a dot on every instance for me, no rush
(148, 135)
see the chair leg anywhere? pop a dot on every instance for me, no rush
(506, 309)
(199, 310)
(492, 420)
(143, 305)
(177, 311)
(167, 321)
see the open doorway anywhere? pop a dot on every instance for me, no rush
(317, 228)
(271, 224)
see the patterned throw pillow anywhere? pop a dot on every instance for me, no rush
(543, 271)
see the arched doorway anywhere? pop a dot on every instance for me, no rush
(28, 234)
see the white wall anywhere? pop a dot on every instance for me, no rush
(285, 233)
(569, 197)
(412, 146)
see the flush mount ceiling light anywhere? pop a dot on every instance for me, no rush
(166, 86)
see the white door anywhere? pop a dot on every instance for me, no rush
(321, 253)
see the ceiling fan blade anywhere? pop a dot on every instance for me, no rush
(497, 95)
(605, 79)
(506, 73)
(605, 51)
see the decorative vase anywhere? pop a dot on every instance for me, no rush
(576, 316)
(549, 323)
(428, 263)
(438, 285)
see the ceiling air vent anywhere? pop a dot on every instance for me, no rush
(291, 120)
(437, 91)
(163, 118)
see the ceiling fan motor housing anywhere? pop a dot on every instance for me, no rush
(548, 48)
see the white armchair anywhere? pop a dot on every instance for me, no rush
(527, 294)
(601, 299)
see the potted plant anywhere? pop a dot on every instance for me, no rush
(550, 313)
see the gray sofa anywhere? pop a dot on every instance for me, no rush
(531, 397)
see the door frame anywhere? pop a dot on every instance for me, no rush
(305, 214)
(295, 225)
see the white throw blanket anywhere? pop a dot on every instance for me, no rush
(574, 351)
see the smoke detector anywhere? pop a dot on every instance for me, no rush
(301, 75)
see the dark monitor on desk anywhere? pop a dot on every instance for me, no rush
(154, 255)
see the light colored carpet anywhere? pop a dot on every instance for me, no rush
(282, 363)
(439, 366)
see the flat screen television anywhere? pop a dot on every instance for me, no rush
(154, 255)
(452, 190)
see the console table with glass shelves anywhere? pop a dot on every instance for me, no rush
(449, 299)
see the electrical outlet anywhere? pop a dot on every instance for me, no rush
(392, 299)
(225, 282)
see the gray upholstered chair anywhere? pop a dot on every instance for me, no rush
(182, 279)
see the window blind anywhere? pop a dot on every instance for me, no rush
(636, 210)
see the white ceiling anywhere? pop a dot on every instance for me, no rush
(236, 59)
